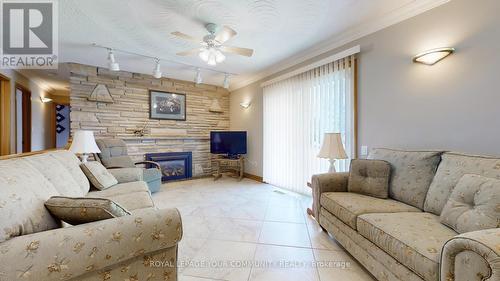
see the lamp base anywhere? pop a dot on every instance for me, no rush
(332, 166)
(84, 157)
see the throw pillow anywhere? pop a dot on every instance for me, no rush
(98, 175)
(411, 173)
(473, 205)
(78, 210)
(369, 177)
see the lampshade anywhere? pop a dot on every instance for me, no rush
(84, 142)
(332, 147)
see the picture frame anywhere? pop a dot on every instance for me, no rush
(167, 105)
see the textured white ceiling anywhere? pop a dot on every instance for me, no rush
(275, 29)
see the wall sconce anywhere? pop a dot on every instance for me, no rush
(45, 100)
(433, 56)
(215, 107)
(245, 105)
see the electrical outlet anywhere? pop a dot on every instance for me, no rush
(364, 150)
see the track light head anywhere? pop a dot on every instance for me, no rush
(227, 77)
(112, 64)
(198, 79)
(157, 71)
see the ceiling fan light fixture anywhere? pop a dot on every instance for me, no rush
(212, 59)
(112, 64)
(157, 71)
(204, 54)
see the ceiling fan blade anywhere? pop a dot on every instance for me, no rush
(184, 36)
(225, 34)
(237, 50)
(189, 52)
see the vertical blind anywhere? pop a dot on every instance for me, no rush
(298, 112)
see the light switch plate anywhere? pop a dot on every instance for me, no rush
(364, 150)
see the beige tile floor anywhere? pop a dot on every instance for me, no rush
(249, 231)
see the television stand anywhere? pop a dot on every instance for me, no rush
(229, 163)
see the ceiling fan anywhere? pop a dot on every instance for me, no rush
(212, 45)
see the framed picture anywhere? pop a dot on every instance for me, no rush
(165, 105)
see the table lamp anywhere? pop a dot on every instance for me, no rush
(332, 149)
(84, 143)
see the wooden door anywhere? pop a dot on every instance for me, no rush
(26, 118)
(4, 115)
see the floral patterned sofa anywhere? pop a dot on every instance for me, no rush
(403, 237)
(34, 246)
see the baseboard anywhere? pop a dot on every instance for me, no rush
(253, 177)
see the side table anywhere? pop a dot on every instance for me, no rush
(237, 165)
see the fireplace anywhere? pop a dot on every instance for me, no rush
(174, 165)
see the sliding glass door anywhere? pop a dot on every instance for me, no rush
(298, 112)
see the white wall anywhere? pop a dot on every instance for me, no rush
(250, 120)
(40, 119)
(452, 105)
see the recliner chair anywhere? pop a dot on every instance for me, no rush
(114, 156)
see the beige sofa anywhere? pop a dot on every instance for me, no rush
(34, 246)
(402, 237)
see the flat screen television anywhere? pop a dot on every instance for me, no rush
(231, 143)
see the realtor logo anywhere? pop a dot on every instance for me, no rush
(29, 34)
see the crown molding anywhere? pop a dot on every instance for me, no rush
(406, 12)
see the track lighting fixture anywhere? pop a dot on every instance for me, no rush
(157, 71)
(113, 65)
(227, 77)
(210, 55)
(198, 79)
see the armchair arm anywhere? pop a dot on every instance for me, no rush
(472, 256)
(330, 182)
(149, 162)
(67, 253)
(124, 175)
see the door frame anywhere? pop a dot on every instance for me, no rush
(26, 105)
(5, 116)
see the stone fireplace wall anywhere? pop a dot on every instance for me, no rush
(130, 112)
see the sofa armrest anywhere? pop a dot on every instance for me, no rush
(124, 175)
(472, 256)
(330, 182)
(66, 253)
(151, 163)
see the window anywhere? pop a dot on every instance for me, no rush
(298, 112)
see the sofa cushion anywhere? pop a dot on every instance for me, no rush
(75, 210)
(369, 177)
(118, 162)
(56, 173)
(452, 167)
(131, 195)
(72, 164)
(98, 175)
(124, 175)
(23, 191)
(411, 173)
(473, 205)
(414, 239)
(348, 206)
(122, 188)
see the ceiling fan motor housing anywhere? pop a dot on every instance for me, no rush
(212, 28)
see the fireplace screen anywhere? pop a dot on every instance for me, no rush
(174, 165)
